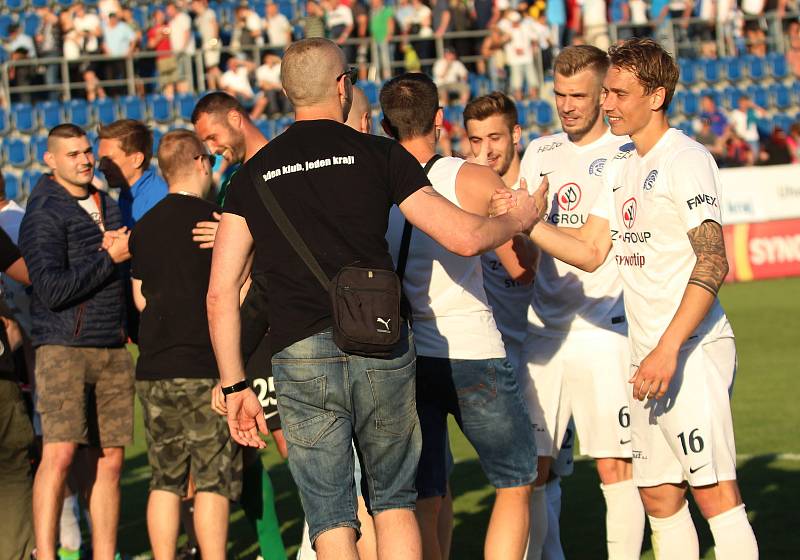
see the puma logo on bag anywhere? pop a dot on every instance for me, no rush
(385, 322)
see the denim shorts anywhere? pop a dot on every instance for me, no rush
(327, 400)
(484, 398)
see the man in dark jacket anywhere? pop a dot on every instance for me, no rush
(73, 241)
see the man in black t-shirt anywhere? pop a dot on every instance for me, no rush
(336, 185)
(176, 370)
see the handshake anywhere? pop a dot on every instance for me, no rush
(115, 242)
(520, 204)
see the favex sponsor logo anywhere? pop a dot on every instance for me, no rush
(568, 197)
(549, 147)
(650, 180)
(702, 199)
(629, 209)
(597, 166)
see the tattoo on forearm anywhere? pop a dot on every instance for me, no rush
(712, 264)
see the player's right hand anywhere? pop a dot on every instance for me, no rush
(218, 400)
(118, 248)
(503, 200)
(525, 209)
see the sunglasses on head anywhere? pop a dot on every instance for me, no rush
(351, 73)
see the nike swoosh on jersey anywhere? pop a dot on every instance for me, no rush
(693, 470)
(624, 441)
(544, 174)
(615, 189)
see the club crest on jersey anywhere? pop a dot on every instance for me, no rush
(596, 167)
(629, 212)
(651, 180)
(569, 196)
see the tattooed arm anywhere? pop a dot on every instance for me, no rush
(656, 370)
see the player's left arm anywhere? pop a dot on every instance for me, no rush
(475, 185)
(655, 372)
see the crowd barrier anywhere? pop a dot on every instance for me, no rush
(761, 213)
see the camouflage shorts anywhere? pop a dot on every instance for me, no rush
(185, 435)
(62, 375)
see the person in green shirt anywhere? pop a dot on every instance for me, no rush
(381, 28)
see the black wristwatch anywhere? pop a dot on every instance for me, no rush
(235, 388)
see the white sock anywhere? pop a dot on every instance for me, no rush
(733, 535)
(624, 520)
(675, 536)
(538, 523)
(69, 535)
(552, 542)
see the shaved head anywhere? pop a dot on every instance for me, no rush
(309, 70)
(358, 109)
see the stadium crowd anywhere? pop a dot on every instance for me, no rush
(178, 251)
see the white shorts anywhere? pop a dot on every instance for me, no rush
(688, 433)
(584, 376)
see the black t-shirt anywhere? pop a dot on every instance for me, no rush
(336, 185)
(174, 270)
(8, 256)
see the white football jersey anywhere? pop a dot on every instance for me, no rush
(509, 301)
(651, 203)
(566, 298)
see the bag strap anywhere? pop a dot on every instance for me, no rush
(288, 229)
(402, 257)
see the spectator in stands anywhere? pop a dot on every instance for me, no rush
(404, 14)
(73, 241)
(744, 120)
(450, 76)
(556, 14)
(181, 42)
(709, 110)
(594, 20)
(519, 56)
(462, 19)
(278, 28)
(207, 25)
(235, 80)
(679, 12)
(755, 38)
(494, 53)
(361, 34)
(17, 39)
(422, 25)
(793, 141)
(382, 30)
(271, 97)
(48, 45)
(737, 152)
(107, 7)
(340, 23)
(313, 23)
(793, 49)
(22, 75)
(125, 150)
(659, 16)
(775, 150)
(441, 17)
(176, 370)
(158, 40)
(711, 141)
(119, 39)
(246, 32)
(78, 30)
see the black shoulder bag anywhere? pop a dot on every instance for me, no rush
(365, 302)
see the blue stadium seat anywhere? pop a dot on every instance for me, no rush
(51, 114)
(777, 65)
(783, 121)
(688, 71)
(267, 127)
(687, 127)
(524, 113)
(715, 94)
(39, 147)
(734, 68)
(184, 103)
(4, 124)
(40, 3)
(286, 8)
(16, 151)
(29, 179)
(759, 94)
(712, 70)
(756, 67)
(160, 108)
(132, 107)
(5, 21)
(283, 123)
(106, 110)
(676, 104)
(454, 114)
(79, 112)
(12, 186)
(140, 16)
(15, 5)
(544, 114)
(30, 24)
(781, 95)
(730, 97)
(691, 103)
(157, 134)
(764, 125)
(23, 118)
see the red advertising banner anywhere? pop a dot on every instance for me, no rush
(763, 250)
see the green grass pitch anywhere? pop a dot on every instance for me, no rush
(766, 319)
